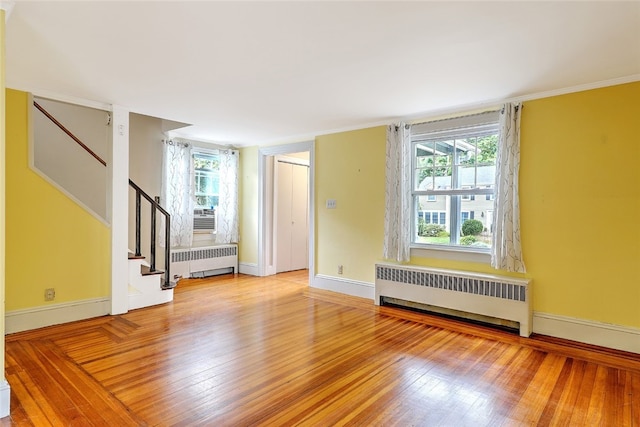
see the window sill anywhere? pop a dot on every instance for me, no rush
(451, 253)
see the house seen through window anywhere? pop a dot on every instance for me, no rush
(454, 166)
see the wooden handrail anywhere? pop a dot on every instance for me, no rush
(139, 194)
(68, 132)
(167, 232)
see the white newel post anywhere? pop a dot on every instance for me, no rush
(119, 210)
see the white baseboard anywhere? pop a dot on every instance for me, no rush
(5, 398)
(248, 268)
(141, 300)
(54, 314)
(346, 286)
(587, 331)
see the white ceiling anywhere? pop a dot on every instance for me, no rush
(252, 73)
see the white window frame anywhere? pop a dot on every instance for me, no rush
(198, 208)
(460, 127)
(204, 153)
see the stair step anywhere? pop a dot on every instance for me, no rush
(146, 271)
(166, 286)
(134, 256)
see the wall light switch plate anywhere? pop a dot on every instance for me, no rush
(331, 204)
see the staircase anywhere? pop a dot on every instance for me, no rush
(146, 287)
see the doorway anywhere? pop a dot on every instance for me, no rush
(268, 252)
(291, 212)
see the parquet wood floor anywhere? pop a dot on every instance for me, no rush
(248, 351)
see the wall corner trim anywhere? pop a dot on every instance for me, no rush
(345, 286)
(248, 268)
(5, 396)
(54, 314)
(587, 331)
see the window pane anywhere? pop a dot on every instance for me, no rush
(431, 203)
(205, 161)
(432, 227)
(466, 177)
(476, 159)
(424, 179)
(477, 234)
(423, 174)
(206, 183)
(434, 164)
(431, 182)
(480, 151)
(207, 201)
(206, 180)
(443, 182)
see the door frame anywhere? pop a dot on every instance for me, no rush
(284, 158)
(266, 155)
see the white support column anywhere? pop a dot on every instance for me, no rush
(118, 207)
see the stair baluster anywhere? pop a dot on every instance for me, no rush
(155, 207)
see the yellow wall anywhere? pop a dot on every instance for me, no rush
(248, 206)
(350, 168)
(579, 196)
(51, 242)
(580, 199)
(2, 188)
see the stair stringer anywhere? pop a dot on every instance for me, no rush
(145, 291)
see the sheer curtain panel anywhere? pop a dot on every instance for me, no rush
(506, 250)
(397, 208)
(227, 212)
(177, 191)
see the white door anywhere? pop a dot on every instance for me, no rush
(292, 217)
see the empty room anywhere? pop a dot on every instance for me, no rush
(320, 213)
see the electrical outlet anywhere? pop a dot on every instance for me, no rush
(339, 269)
(49, 294)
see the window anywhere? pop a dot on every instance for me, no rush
(468, 196)
(454, 166)
(433, 217)
(207, 180)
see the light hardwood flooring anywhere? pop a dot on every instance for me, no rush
(248, 351)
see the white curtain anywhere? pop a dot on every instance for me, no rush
(397, 208)
(506, 250)
(227, 211)
(177, 192)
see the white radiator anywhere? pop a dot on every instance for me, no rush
(487, 295)
(204, 261)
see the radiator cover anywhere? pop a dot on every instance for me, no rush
(487, 295)
(204, 261)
